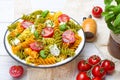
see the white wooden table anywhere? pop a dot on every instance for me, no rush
(13, 9)
(6, 18)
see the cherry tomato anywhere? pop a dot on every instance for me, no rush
(82, 76)
(63, 18)
(68, 36)
(108, 65)
(16, 71)
(36, 46)
(94, 59)
(47, 32)
(26, 24)
(83, 65)
(97, 11)
(98, 71)
(96, 78)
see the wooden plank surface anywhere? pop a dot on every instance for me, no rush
(6, 62)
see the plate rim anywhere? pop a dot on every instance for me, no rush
(49, 66)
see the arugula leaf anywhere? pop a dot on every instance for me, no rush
(108, 2)
(117, 20)
(118, 1)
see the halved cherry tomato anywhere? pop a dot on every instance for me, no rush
(47, 32)
(98, 71)
(68, 36)
(83, 65)
(36, 46)
(94, 59)
(82, 76)
(108, 65)
(16, 71)
(97, 11)
(26, 24)
(63, 18)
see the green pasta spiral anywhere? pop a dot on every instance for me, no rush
(58, 37)
(48, 41)
(28, 18)
(73, 26)
(13, 26)
(68, 52)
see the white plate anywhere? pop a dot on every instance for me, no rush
(77, 52)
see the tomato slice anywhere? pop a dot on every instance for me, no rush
(47, 32)
(63, 18)
(36, 46)
(26, 24)
(16, 71)
(68, 36)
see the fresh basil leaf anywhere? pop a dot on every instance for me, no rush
(105, 13)
(116, 9)
(36, 34)
(108, 1)
(109, 17)
(117, 30)
(110, 26)
(118, 1)
(109, 8)
(117, 20)
(44, 13)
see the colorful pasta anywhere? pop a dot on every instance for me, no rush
(44, 37)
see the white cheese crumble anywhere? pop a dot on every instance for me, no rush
(54, 50)
(32, 28)
(15, 41)
(49, 23)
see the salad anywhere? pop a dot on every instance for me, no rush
(44, 37)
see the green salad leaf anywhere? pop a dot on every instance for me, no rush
(116, 9)
(118, 1)
(117, 20)
(112, 15)
(107, 2)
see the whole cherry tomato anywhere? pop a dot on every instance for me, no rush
(16, 71)
(98, 71)
(82, 76)
(96, 78)
(94, 59)
(108, 65)
(97, 11)
(83, 65)
(63, 18)
(68, 36)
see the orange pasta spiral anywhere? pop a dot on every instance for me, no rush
(77, 42)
